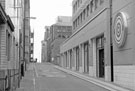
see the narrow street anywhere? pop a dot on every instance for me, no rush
(45, 77)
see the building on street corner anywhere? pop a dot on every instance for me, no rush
(102, 41)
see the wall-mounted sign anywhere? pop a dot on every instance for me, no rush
(120, 29)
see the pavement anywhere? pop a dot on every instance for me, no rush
(108, 85)
(47, 77)
(26, 83)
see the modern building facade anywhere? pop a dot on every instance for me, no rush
(60, 31)
(102, 43)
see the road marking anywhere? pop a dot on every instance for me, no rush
(34, 82)
(35, 71)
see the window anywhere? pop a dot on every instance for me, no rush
(59, 36)
(74, 9)
(78, 3)
(96, 4)
(8, 45)
(81, 17)
(84, 14)
(92, 6)
(87, 10)
(100, 42)
(76, 23)
(76, 6)
(78, 20)
(63, 36)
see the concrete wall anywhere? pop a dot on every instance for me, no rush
(124, 64)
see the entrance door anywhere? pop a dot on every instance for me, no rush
(101, 63)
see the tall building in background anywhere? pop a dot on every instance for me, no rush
(45, 48)
(43, 51)
(47, 38)
(59, 32)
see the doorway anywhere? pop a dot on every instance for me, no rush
(100, 57)
(101, 63)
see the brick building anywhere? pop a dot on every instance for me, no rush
(59, 31)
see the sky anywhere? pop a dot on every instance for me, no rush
(46, 12)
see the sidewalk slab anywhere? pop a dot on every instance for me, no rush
(107, 85)
(26, 83)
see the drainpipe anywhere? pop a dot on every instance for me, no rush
(111, 42)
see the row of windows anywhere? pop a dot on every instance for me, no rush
(77, 5)
(90, 8)
(62, 36)
(64, 28)
(68, 30)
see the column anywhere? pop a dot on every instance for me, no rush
(80, 58)
(75, 58)
(69, 58)
(94, 58)
(73, 61)
(82, 48)
(90, 58)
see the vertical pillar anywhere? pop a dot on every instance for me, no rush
(94, 58)
(73, 61)
(62, 60)
(69, 59)
(82, 57)
(75, 58)
(90, 58)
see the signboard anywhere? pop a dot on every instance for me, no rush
(120, 29)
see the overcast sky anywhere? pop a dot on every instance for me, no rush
(46, 12)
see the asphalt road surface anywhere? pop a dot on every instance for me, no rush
(47, 78)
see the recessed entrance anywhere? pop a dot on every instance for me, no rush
(100, 57)
(101, 63)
